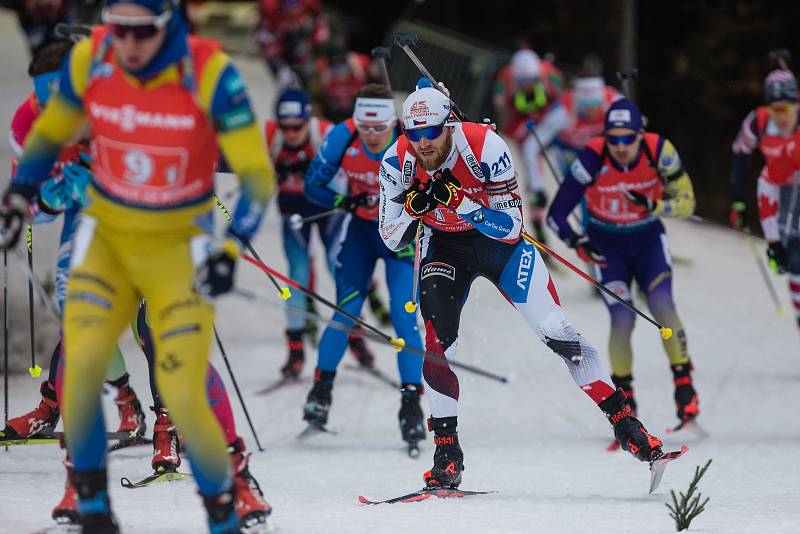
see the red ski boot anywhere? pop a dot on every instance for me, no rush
(448, 460)
(131, 416)
(629, 431)
(66, 511)
(39, 421)
(165, 444)
(686, 403)
(294, 364)
(251, 508)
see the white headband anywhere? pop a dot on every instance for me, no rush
(374, 110)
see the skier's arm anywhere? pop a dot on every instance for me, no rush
(58, 124)
(580, 176)
(678, 198)
(324, 167)
(397, 227)
(502, 219)
(744, 145)
(223, 94)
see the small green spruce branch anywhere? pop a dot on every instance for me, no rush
(688, 507)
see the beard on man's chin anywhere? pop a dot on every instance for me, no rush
(436, 161)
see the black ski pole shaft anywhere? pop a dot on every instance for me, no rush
(532, 129)
(782, 56)
(405, 41)
(34, 370)
(626, 77)
(433, 357)
(765, 276)
(296, 224)
(283, 292)
(5, 338)
(236, 387)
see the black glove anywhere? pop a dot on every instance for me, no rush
(215, 276)
(586, 250)
(641, 200)
(14, 208)
(419, 201)
(446, 189)
(777, 259)
(351, 203)
(738, 214)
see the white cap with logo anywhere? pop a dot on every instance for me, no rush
(427, 107)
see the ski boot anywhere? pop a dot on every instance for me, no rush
(629, 431)
(66, 511)
(319, 399)
(41, 420)
(359, 348)
(221, 514)
(411, 418)
(624, 383)
(376, 305)
(93, 503)
(251, 508)
(448, 460)
(131, 416)
(294, 364)
(685, 396)
(166, 447)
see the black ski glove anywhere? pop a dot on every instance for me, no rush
(215, 276)
(641, 200)
(777, 259)
(586, 250)
(419, 200)
(351, 203)
(14, 208)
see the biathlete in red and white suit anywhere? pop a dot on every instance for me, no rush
(458, 181)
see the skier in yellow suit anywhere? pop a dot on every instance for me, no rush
(161, 106)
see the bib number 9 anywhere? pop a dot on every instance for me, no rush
(138, 166)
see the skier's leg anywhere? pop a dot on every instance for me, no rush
(446, 273)
(654, 274)
(100, 301)
(355, 265)
(399, 280)
(181, 324)
(793, 257)
(536, 299)
(526, 282)
(295, 248)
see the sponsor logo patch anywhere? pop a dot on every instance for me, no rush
(505, 204)
(437, 268)
(408, 169)
(474, 165)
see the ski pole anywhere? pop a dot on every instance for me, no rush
(37, 285)
(236, 387)
(666, 333)
(411, 305)
(433, 357)
(283, 292)
(296, 221)
(397, 342)
(405, 41)
(765, 276)
(34, 370)
(5, 337)
(532, 129)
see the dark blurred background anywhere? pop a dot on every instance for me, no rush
(701, 63)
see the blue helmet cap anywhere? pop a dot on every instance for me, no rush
(293, 104)
(424, 82)
(624, 113)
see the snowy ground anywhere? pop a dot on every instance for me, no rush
(539, 441)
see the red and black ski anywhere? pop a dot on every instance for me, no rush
(426, 493)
